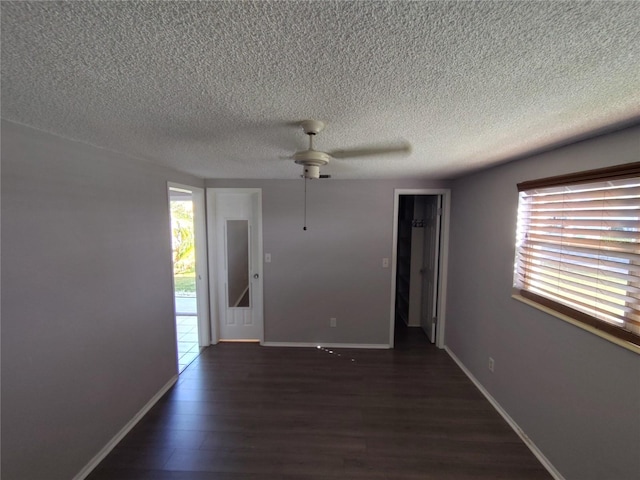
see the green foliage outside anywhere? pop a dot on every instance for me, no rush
(185, 282)
(183, 246)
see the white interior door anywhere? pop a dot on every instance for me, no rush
(202, 272)
(431, 254)
(238, 266)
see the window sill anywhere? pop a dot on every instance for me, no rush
(566, 318)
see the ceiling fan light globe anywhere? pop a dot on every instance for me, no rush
(311, 172)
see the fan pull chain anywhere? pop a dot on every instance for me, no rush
(305, 204)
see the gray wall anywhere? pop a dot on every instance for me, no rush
(88, 334)
(577, 396)
(334, 269)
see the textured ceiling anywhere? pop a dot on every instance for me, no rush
(211, 88)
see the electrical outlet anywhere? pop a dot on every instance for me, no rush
(333, 322)
(492, 364)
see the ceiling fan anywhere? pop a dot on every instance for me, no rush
(312, 159)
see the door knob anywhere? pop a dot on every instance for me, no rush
(256, 275)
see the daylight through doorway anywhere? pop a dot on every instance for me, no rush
(184, 276)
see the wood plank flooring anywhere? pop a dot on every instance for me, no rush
(245, 412)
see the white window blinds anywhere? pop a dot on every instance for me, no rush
(578, 248)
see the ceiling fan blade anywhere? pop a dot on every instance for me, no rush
(388, 149)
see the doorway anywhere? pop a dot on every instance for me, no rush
(419, 267)
(235, 243)
(186, 207)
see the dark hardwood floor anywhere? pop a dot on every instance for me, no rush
(245, 412)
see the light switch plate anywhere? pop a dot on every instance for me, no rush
(267, 258)
(385, 263)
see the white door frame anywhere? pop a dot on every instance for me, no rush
(445, 193)
(201, 254)
(213, 281)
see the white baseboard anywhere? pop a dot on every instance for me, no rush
(93, 463)
(329, 345)
(516, 428)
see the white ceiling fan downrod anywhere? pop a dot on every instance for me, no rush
(311, 159)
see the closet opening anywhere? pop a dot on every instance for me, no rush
(418, 294)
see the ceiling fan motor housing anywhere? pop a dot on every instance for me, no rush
(311, 160)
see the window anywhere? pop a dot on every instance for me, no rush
(578, 247)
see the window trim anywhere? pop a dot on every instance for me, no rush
(592, 324)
